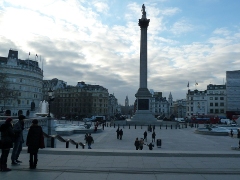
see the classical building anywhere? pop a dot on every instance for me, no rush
(82, 100)
(196, 103)
(179, 108)
(160, 105)
(113, 107)
(233, 93)
(53, 84)
(25, 78)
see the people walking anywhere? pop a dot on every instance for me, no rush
(137, 143)
(7, 136)
(145, 136)
(150, 146)
(153, 136)
(85, 138)
(35, 140)
(117, 133)
(90, 141)
(231, 132)
(120, 134)
(18, 141)
(141, 143)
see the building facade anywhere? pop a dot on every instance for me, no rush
(196, 103)
(216, 100)
(80, 101)
(25, 78)
(233, 93)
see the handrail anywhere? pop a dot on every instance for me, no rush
(58, 137)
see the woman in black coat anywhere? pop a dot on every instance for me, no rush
(7, 137)
(34, 141)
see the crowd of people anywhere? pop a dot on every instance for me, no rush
(12, 137)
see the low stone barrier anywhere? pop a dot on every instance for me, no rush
(197, 131)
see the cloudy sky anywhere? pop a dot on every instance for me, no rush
(98, 41)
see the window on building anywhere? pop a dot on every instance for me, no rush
(216, 104)
(191, 108)
(216, 98)
(221, 98)
(222, 111)
(216, 111)
(211, 110)
(211, 104)
(210, 92)
(211, 98)
(221, 104)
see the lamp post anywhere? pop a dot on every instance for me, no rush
(50, 97)
(50, 142)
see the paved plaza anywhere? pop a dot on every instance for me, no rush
(183, 155)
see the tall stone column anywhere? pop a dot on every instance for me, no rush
(143, 113)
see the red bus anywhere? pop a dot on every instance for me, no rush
(205, 119)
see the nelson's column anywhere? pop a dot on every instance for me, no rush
(143, 114)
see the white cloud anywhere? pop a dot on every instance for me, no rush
(181, 26)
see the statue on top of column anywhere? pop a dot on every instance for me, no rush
(143, 11)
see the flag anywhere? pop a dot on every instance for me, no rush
(29, 53)
(188, 84)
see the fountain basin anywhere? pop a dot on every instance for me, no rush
(67, 130)
(217, 130)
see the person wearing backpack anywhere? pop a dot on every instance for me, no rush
(17, 146)
(90, 141)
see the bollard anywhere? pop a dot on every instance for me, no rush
(67, 144)
(179, 126)
(160, 127)
(166, 126)
(52, 142)
(107, 124)
(171, 126)
(76, 146)
(114, 125)
(186, 125)
(103, 126)
(135, 126)
(129, 126)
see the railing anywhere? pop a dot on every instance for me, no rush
(58, 137)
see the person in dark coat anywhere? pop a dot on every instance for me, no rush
(150, 146)
(117, 133)
(34, 141)
(85, 137)
(153, 136)
(18, 141)
(90, 141)
(120, 134)
(137, 143)
(7, 136)
(141, 143)
(145, 136)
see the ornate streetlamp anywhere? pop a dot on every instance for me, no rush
(50, 142)
(50, 98)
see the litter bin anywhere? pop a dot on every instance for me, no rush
(159, 142)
